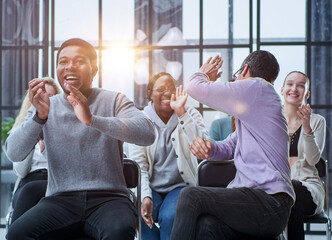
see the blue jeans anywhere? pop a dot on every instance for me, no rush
(224, 213)
(164, 207)
(97, 214)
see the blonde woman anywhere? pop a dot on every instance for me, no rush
(307, 139)
(32, 172)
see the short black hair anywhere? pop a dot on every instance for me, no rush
(92, 54)
(154, 79)
(262, 64)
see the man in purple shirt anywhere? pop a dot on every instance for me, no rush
(257, 203)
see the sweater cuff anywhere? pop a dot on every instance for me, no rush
(206, 76)
(38, 120)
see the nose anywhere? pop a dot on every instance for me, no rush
(69, 65)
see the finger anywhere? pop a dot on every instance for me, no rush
(215, 59)
(208, 61)
(180, 90)
(173, 98)
(195, 152)
(200, 147)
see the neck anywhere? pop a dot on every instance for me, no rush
(165, 116)
(85, 92)
(291, 112)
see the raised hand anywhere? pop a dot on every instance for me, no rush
(211, 68)
(80, 104)
(39, 97)
(201, 148)
(147, 210)
(178, 101)
(304, 112)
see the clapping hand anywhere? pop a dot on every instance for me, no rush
(80, 105)
(304, 112)
(211, 68)
(39, 97)
(178, 101)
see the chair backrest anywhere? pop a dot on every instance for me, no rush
(211, 173)
(323, 172)
(132, 174)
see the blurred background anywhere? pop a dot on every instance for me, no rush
(135, 39)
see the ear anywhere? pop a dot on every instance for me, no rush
(94, 71)
(246, 71)
(282, 91)
(307, 95)
(149, 94)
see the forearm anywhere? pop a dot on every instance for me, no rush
(21, 169)
(224, 150)
(22, 140)
(136, 130)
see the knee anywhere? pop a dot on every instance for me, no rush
(15, 232)
(119, 231)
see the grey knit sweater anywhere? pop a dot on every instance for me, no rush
(84, 157)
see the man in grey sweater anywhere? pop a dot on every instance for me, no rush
(83, 129)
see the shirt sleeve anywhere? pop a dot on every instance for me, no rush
(128, 125)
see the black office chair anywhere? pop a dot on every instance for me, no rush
(322, 217)
(217, 174)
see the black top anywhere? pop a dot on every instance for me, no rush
(294, 140)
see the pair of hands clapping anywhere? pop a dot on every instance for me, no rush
(40, 100)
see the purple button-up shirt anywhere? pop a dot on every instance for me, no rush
(260, 144)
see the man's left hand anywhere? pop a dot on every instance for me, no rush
(80, 105)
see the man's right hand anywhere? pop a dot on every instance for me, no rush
(39, 97)
(201, 148)
(147, 210)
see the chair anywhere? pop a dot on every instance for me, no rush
(213, 173)
(323, 217)
(132, 174)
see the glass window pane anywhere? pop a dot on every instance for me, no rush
(215, 29)
(241, 22)
(76, 18)
(283, 20)
(22, 22)
(18, 68)
(321, 20)
(321, 75)
(190, 66)
(118, 70)
(190, 20)
(118, 21)
(167, 23)
(290, 58)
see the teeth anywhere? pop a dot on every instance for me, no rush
(70, 77)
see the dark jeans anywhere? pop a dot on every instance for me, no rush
(30, 190)
(304, 206)
(97, 214)
(223, 213)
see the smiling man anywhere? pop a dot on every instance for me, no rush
(83, 129)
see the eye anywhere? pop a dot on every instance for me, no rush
(62, 62)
